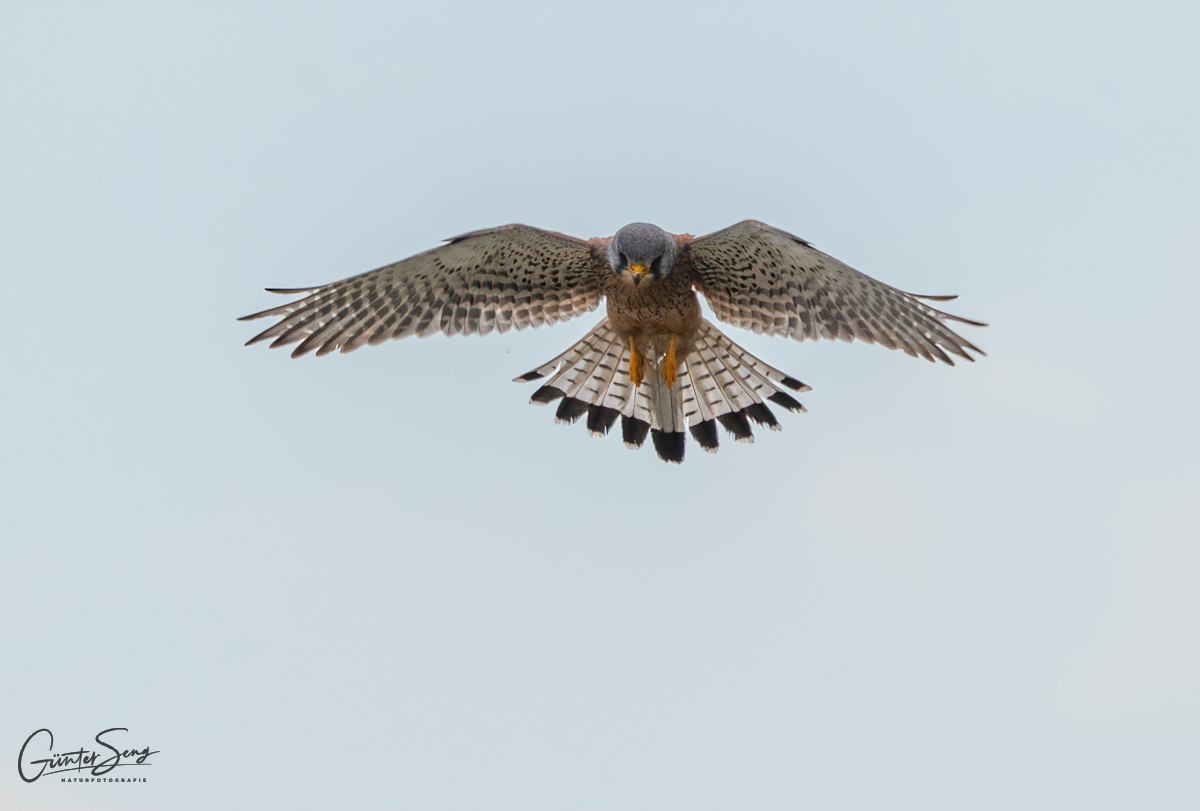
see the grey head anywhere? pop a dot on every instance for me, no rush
(643, 251)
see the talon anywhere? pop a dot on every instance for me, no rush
(635, 363)
(669, 363)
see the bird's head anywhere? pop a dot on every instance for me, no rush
(643, 252)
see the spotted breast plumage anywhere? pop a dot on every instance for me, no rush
(654, 362)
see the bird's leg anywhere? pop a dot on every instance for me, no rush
(635, 363)
(669, 364)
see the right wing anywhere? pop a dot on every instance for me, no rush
(763, 279)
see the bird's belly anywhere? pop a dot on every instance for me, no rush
(652, 318)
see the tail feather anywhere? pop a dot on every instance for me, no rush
(718, 382)
(666, 404)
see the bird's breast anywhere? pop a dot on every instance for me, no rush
(654, 312)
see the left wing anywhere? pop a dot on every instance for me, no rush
(514, 276)
(763, 279)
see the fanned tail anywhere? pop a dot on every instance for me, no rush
(728, 385)
(718, 382)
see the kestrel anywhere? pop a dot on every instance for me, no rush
(655, 362)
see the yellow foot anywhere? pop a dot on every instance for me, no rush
(669, 364)
(635, 363)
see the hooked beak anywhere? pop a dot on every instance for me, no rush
(638, 272)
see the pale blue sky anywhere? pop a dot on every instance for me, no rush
(384, 580)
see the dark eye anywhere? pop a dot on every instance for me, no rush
(624, 261)
(655, 265)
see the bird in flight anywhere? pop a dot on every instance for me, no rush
(655, 363)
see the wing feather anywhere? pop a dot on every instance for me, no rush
(766, 280)
(514, 276)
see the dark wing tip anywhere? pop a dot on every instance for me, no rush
(525, 378)
(960, 319)
(259, 314)
(794, 384)
(291, 291)
(949, 316)
(965, 348)
(286, 291)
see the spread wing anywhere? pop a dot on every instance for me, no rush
(767, 280)
(499, 278)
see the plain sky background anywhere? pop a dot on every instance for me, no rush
(382, 580)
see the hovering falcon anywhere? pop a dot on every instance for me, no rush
(654, 362)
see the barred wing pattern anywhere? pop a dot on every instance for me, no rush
(514, 276)
(763, 279)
